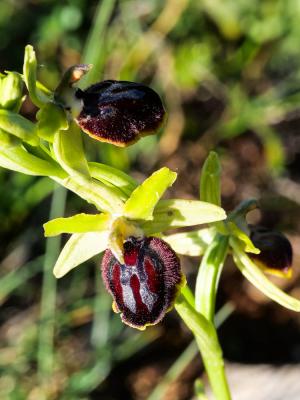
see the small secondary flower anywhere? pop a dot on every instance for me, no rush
(276, 253)
(144, 288)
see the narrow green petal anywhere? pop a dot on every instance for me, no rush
(254, 275)
(244, 238)
(79, 248)
(144, 198)
(178, 213)
(190, 243)
(79, 223)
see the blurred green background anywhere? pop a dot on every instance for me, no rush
(229, 74)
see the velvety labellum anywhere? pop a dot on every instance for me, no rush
(145, 286)
(276, 252)
(120, 112)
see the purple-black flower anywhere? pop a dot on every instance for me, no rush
(120, 112)
(144, 288)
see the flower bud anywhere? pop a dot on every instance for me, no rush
(11, 90)
(144, 288)
(120, 112)
(276, 253)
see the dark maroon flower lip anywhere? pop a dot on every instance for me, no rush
(276, 253)
(120, 112)
(144, 288)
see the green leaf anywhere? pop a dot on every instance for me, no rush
(178, 213)
(243, 237)
(18, 159)
(79, 223)
(190, 243)
(79, 248)
(210, 186)
(69, 151)
(51, 119)
(254, 275)
(114, 176)
(38, 97)
(19, 126)
(144, 198)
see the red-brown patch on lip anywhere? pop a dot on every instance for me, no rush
(120, 112)
(276, 253)
(145, 291)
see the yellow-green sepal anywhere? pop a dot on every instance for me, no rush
(145, 197)
(178, 213)
(79, 223)
(78, 249)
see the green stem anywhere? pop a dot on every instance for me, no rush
(47, 313)
(78, 180)
(208, 276)
(207, 340)
(206, 290)
(187, 356)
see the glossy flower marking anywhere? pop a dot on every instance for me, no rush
(276, 253)
(120, 112)
(145, 286)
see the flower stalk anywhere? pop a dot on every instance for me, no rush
(205, 299)
(207, 341)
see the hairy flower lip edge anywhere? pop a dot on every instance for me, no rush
(120, 143)
(170, 291)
